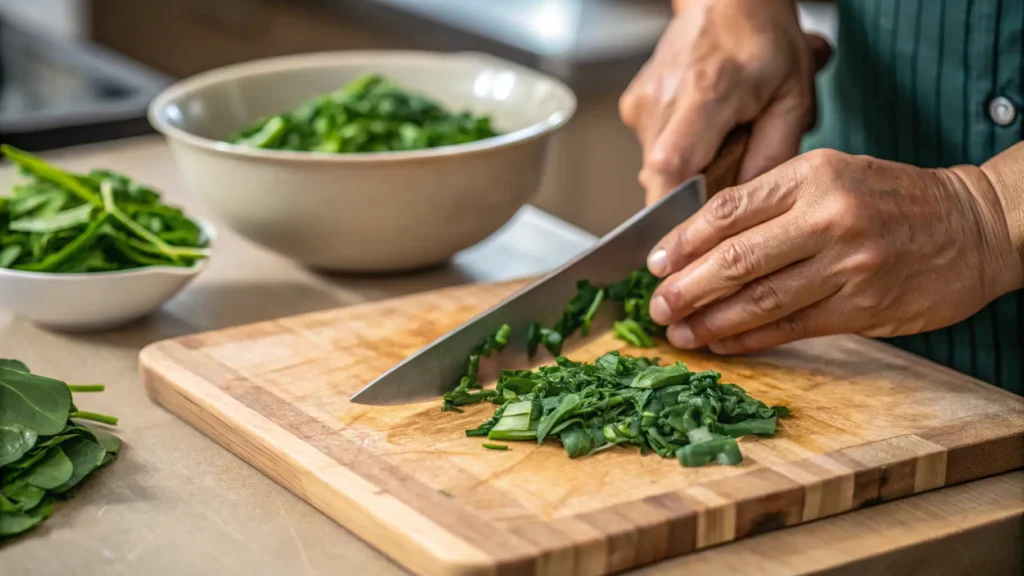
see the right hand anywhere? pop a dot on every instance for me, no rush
(719, 64)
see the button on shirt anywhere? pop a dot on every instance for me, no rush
(934, 83)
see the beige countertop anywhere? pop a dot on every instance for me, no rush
(177, 503)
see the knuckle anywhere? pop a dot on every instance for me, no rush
(736, 261)
(765, 297)
(663, 163)
(724, 208)
(628, 108)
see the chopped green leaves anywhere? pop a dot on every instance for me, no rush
(44, 454)
(369, 114)
(620, 400)
(97, 222)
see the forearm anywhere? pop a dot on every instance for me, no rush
(1005, 172)
(678, 5)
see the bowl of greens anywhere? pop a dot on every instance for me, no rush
(364, 161)
(91, 251)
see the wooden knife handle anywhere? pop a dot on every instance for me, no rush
(724, 169)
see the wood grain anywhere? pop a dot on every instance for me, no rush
(870, 424)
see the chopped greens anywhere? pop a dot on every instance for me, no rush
(96, 222)
(495, 446)
(621, 400)
(616, 400)
(369, 114)
(44, 453)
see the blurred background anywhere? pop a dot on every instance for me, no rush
(78, 71)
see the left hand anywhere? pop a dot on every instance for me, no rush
(830, 243)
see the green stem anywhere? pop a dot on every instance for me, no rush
(41, 169)
(102, 418)
(86, 387)
(107, 192)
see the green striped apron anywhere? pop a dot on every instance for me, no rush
(934, 83)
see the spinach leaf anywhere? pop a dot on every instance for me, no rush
(14, 365)
(52, 471)
(15, 441)
(85, 456)
(69, 218)
(33, 401)
(13, 524)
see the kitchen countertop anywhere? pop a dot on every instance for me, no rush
(177, 503)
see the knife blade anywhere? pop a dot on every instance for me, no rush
(437, 368)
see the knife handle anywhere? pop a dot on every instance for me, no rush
(725, 167)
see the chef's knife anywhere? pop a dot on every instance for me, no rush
(438, 367)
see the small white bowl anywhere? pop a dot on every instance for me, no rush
(94, 301)
(365, 212)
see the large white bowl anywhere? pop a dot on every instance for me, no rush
(368, 212)
(94, 301)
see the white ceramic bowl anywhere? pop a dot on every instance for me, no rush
(369, 212)
(97, 300)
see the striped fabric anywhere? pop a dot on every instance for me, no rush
(911, 81)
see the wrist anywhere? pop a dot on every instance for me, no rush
(1001, 222)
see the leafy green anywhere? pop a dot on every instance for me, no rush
(44, 453)
(33, 401)
(462, 394)
(369, 114)
(15, 441)
(96, 222)
(632, 401)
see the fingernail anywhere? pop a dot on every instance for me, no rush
(660, 312)
(681, 336)
(657, 262)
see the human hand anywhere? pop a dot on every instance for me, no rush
(720, 64)
(830, 243)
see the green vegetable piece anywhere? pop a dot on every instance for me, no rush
(15, 441)
(631, 332)
(567, 405)
(13, 524)
(70, 218)
(85, 456)
(33, 401)
(518, 422)
(22, 496)
(723, 450)
(14, 365)
(53, 470)
(495, 446)
(9, 255)
(659, 377)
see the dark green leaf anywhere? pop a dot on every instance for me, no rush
(86, 456)
(15, 441)
(33, 401)
(52, 471)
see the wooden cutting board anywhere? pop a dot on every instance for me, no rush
(870, 424)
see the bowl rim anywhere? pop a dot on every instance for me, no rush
(208, 229)
(274, 64)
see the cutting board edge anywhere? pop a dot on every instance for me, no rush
(461, 558)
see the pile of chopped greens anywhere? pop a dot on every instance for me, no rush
(369, 114)
(44, 453)
(96, 222)
(617, 400)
